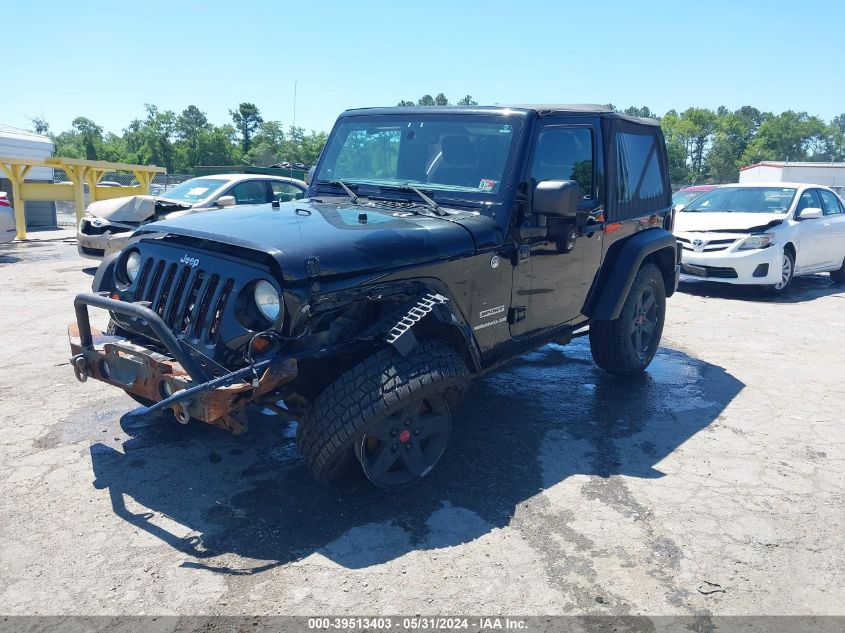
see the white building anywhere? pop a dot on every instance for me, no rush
(17, 143)
(827, 174)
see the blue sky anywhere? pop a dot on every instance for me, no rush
(98, 60)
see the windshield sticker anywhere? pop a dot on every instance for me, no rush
(486, 184)
(197, 191)
(505, 129)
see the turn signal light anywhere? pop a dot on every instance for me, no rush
(260, 344)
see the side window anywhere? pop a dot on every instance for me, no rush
(249, 192)
(285, 191)
(565, 153)
(639, 171)
(832, 205)
(809, 200)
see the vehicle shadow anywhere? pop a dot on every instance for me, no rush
(520, 430)
(803, 289)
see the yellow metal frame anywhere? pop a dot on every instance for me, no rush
(80, 173)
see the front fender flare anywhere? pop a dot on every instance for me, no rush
(104, 277)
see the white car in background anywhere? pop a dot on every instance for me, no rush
(108, 224)
(7, 220)
(763, 234)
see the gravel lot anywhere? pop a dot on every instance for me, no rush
(712, 485)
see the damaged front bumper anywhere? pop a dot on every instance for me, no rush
(180, 380)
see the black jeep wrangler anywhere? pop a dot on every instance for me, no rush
(433, 245)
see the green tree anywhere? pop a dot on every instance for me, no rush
(90, 136)
(441, 100)
(150, 140)
(188, 129)
(267, 144)
(734, 130)
(303, 148)
(790, 135)
(426, 100)
(406, 104)
(247, 118)
(40, 126)
(467, 101)
(218, 146)
(644, 112)
(676, 147)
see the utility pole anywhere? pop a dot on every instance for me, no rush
(294, 103)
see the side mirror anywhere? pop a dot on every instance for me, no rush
(310, 175)
(225, 201)
(810, 213)
(557, 198)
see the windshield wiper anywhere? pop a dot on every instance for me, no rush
(353, 197)
(428, 201)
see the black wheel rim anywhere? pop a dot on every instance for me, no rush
(406, 445)
(645, 323)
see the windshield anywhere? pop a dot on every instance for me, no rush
(685, 197)
(452, 156)
(193, 190)
(745, 200)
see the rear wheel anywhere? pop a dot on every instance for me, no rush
(392, 412)
(838, 276)
(626, 345)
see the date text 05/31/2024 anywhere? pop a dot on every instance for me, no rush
(417, 623)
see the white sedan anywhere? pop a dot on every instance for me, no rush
(7, 220)
(108, 224)
(763, 234)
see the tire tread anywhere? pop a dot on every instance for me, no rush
(368, 392)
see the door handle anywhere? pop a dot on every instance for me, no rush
(594, 221)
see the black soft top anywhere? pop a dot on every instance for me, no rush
(541, 110)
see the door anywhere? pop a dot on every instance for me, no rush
(554, 273)
(811, 251)
(833, 225)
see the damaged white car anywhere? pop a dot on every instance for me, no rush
(7, 219)
(763, 234)
(108, 225)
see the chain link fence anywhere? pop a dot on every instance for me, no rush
(66, 211)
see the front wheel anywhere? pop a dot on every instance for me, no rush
(626, 345)
(392, 412)
(787, 271)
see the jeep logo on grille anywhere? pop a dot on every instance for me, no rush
(193, 262)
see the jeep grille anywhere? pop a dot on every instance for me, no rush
(190, 300)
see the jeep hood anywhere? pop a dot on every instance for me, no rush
(741, 222)
(345, 238)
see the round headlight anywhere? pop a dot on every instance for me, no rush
(133, 265)
(267, 300)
